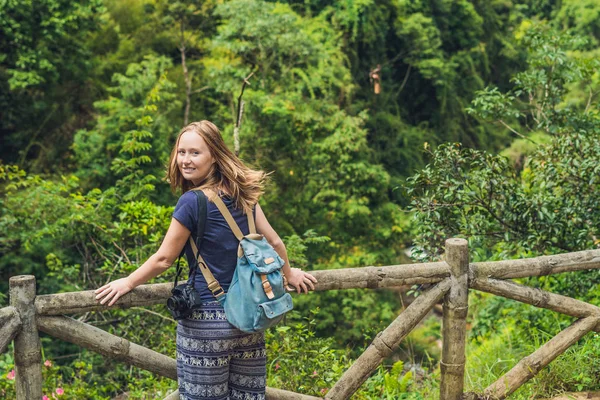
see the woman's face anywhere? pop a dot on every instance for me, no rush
(193, 157)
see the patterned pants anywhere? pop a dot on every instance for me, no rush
(218, 361)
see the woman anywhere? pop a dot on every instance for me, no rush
(214, 359)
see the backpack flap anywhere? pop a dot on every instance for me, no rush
(261, 256)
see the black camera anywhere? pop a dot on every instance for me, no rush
(184, 299)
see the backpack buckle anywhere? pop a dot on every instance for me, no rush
(216, 289)
(267, 287)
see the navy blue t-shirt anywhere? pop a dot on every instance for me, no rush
(218, 246)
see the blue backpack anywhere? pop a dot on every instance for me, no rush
(257, 298)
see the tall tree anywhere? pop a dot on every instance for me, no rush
(549, 205)
(44, 69)
(295, 127)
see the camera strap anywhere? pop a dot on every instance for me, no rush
(178, 272)
(202, 215)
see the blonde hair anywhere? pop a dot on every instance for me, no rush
(228, 173)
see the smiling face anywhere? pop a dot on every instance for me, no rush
(193, 157)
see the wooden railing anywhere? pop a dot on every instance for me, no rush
(453, 278)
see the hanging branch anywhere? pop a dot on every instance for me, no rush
(405, 80)
(240, 111)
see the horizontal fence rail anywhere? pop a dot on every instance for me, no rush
(348, 278)
(538, 298)
(451, 279)
(10, 324)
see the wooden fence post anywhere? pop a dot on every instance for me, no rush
(28, 354)
(454, 321)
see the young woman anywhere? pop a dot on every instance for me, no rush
(214, 359)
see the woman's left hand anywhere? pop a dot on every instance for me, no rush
(302, 281)
(112, 291)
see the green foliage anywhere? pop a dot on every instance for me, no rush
(445, 49)
(492, 358)
(541, 88)
(549, 206)
(74, 382)
(545, 204)
(72, 240)
(582, 17)
(297, 247)
(302, 75)
(129, 146)
(397, 382)
(44, 66)
(352, 317)
(575, 371)
(33, 56)
(518, 330)
(301, 361)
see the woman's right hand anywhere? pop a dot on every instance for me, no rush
(302, 281)
(112, 291)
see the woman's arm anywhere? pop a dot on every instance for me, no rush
(299, 279)
(171, 247)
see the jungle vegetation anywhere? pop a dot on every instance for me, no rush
(387, 126)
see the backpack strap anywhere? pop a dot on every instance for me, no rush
(238, 234)
(251, 224)
(231, 222)
(213, 284)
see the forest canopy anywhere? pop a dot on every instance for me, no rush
(387, 126)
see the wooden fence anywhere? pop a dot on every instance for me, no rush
(453, 278)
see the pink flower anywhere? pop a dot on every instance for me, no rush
(11, 375)
(324, 390)
(44, 397)
(315, 374)
(48, 363)
(277, 366)
(60, 391)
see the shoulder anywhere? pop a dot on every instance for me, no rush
(186, 210)
(186, 198)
